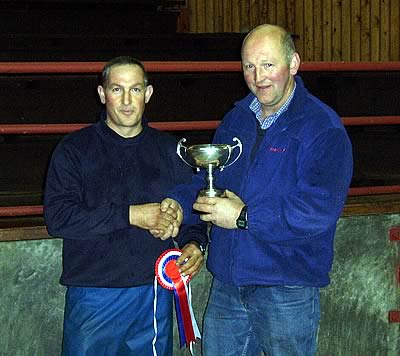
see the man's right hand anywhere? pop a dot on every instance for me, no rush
(161, 222)
(173, 210)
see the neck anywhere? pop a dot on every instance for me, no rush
(125, 132)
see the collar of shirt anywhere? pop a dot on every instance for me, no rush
(255, 106)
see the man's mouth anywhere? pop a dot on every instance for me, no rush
(263, 87)
(127, 112)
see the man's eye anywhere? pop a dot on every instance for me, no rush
(116, 90)
(137, 90)
(248, 66)
(267, 65)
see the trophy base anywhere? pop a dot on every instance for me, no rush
(211, 193)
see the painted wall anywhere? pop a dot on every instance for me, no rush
(354, 307)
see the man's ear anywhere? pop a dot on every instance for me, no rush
(148, 93)
(102, 96)
(294, 63)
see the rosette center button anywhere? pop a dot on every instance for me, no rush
(172, 271)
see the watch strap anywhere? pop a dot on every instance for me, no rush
(200, 246)
(241, 221)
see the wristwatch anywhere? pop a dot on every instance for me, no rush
(200, 246)
(241, 221)
(202, 249)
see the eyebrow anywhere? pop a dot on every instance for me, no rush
(122, 85)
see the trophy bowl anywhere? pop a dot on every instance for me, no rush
(205, 154)
(209, 157)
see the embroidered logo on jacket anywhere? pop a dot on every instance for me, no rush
(276, 149)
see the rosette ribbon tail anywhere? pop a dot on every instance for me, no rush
(187, 326)
(169, 277)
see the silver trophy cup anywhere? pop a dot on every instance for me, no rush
(209, 157)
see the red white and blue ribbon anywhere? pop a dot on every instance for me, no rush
(169, 277)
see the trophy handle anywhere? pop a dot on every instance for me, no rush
(239, 144)
(179, 146)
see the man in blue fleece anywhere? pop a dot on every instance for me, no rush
(99, 183)
(272, 234)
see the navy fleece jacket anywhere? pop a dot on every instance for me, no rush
(295, 187)
(93, 177)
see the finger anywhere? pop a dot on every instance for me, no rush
(175, 231)
(165, 237)
(193, 267)
(164, 220)
(190, 253)
(168, 233)
(177, 222)
(207, 218)
(165, 204)
(186, 266)
(206, 208)
(169, 203)
(204, 200)
(228, 193)
(166, 216)
(162, 227)
(156, 233)
(179, 217)
(171, 212)
(183, 258)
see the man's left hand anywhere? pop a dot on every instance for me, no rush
(222, 212)
(191, 260)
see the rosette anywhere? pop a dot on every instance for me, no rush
(169, 277)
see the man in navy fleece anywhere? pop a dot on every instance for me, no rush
(99, 183)
(272, 236)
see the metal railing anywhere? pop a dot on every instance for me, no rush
(179, 67)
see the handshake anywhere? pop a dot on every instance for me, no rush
(163, 220)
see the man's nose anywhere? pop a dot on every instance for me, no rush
(259, 74)
(126, 98)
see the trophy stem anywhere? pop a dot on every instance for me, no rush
(211, 190)
(210, 177)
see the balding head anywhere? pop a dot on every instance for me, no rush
(267, 32)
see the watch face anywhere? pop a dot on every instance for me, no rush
(202, 249)
(241, 221)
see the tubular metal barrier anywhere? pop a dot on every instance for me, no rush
(32, 129)
(188, 66)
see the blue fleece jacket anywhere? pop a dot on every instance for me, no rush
(295, 186)
(93, 177)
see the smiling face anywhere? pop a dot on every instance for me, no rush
(125, 96)
(268, 72)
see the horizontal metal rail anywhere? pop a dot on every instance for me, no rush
(179, 67)
(33, 210)
(181, 126)
(26, 210)
(187, 66)
(381, 189)
(31, 129)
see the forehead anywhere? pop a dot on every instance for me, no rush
(263, 44)
(126, 73)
